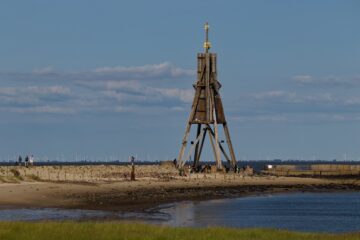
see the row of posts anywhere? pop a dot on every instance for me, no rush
(63, 175)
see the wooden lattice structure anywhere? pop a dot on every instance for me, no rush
(207, 113)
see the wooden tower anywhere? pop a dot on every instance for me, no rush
(207, 112)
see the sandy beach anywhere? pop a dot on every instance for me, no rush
(154, 185)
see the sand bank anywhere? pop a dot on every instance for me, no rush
(110, 188)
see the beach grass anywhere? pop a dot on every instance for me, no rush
(119, 230)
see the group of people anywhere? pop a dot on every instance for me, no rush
(29, 161)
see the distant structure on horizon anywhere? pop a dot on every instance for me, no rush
(207, 113)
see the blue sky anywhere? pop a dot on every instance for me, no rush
(107, 79)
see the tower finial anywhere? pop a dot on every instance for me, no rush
(207, 44)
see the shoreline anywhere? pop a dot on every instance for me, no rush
(145, 194)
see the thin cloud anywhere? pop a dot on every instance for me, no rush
(59, 90)
(303, 79)
(162, 71)
(297, 118)
(296, 106)
(43, 109)
(149, 94)
(44, 70)
(33, 95)
(328, 81)
(111, 89)
(293, 97)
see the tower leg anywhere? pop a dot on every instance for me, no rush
(212, 142)
(231, 149)
(192, 148)
(188, 127)
(221, 147)
(183, 146)
(201, 146)
(196, 153)
(216, 132)
(217, 149)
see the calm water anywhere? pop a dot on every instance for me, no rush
(315, 212)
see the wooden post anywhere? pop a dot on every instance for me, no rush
(212, 143)
(188, 127)
(196, 153)
(132, 175)
(217, 150)
(201, 145)
(229, 143)
(207, 89)
(191, 149)
(220, 146)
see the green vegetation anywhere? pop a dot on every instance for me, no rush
(121, 230)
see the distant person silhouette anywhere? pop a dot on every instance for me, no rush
(19, 161)
(26, 161)
(31, 160)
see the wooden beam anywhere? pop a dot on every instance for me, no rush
(207, 89)
(182, 163)
(231, 149)
(212, 144)
(201, 146)
(220, 145)
(196, 158)
(188, 126)
(216, 133)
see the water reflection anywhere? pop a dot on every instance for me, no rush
(48, 214)
(37, 214)
(314, 212)
(318, 212)
(181, 214)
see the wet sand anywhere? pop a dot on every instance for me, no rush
(155, 189)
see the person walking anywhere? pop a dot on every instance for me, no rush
(19, 161)
(31, 160)
(26, 161)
